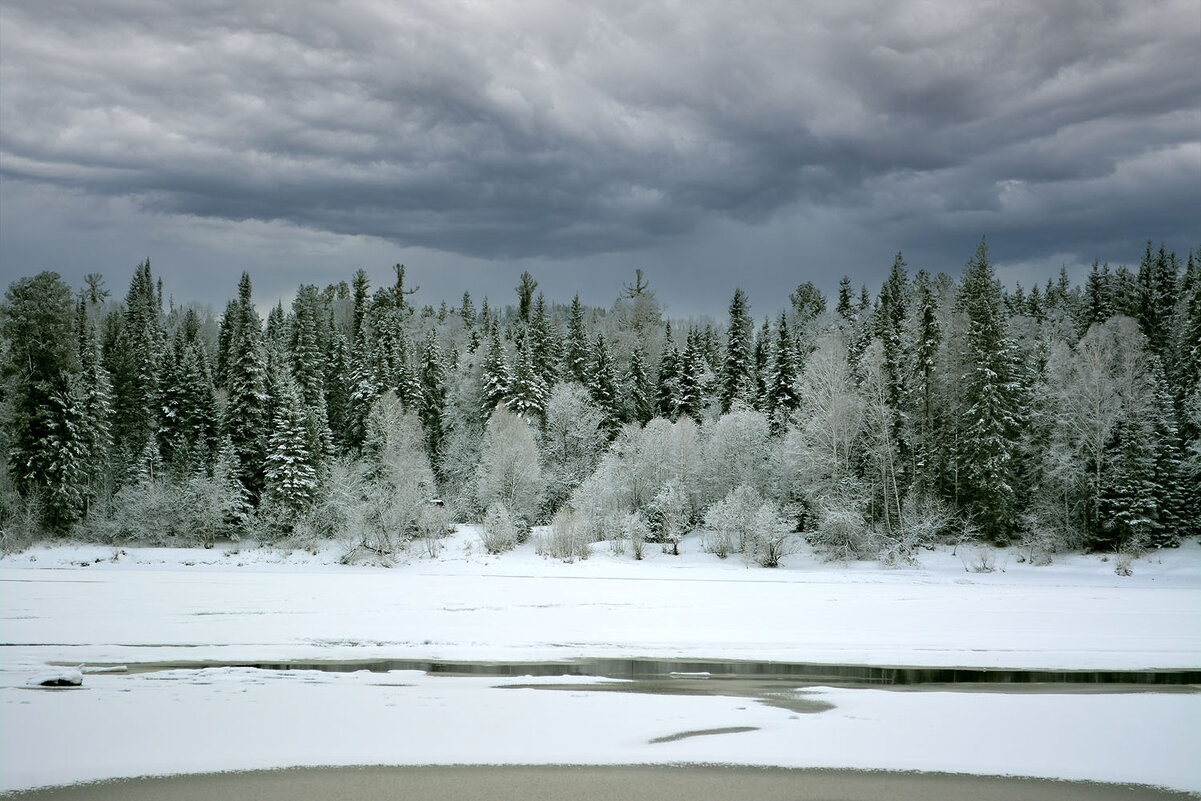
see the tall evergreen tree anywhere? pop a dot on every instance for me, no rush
(247, 421)
(291, 480)
(140, 350)
(783, 398)
(433, 395)
(668, 383)
(495, 377)
(602, 386)
(48, 449)
(992, 403)
(578, 353)
(96, 400)
(737, 380)
(639, 396)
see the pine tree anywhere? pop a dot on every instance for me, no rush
(992, 408)
(738, 382)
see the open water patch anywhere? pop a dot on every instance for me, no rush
(789, 673)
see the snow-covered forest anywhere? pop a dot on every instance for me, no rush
(1055, 416)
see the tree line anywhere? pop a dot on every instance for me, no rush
(1057, 416)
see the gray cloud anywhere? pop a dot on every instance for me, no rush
(518, 130)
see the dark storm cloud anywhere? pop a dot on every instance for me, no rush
(536, 129)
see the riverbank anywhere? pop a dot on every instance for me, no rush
(593, 783)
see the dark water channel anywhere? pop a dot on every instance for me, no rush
(790, 673)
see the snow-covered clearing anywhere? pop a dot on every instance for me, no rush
(264, 605)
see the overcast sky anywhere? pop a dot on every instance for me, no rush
(713, 144)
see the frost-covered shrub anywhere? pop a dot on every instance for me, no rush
(922, 523)
(669, 516)
(635, 531)
(566, 539)
(508, 471)
(771, 537)
(730, 523)
(735, 453)
(432, 526)
(841, 533)
(20, 523)
(499, 533)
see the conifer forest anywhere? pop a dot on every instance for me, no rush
(937, 408)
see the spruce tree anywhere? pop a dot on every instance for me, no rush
(291, 480)
(544, 344)
(432, 379)
(47, 446)
(96, 401)
(667, 385)
(246, 413)
(602, 386)
(690, 386)
(578, 353)
(992, 403)
(782, 398)
(495, 378)
(639, 397)
(737, 380)
(140, 350)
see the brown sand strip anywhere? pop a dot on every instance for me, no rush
(587, 783)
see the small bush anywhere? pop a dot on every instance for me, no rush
(566, 540)
(842, 534)
(635, 530)
(499, 533)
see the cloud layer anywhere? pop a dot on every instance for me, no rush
(508, 129)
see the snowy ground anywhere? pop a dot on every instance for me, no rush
(263, 605)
